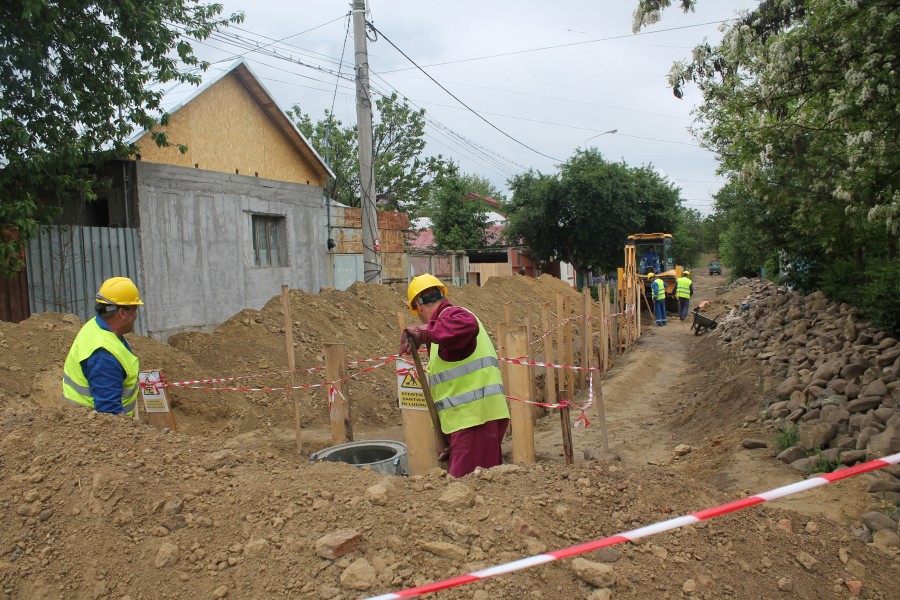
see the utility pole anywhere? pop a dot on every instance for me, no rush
(371, 243)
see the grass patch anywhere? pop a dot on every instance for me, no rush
(823, 465)
(787, 437)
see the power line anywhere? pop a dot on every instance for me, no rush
(523, 144)
(586, 103)
(567, 45)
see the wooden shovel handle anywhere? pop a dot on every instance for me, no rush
(426, 390)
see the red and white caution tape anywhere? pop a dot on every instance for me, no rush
(636, 534)
(285, 388)
(551, 330)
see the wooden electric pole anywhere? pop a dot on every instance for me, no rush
(371, 243)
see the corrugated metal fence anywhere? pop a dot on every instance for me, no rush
(66, 266)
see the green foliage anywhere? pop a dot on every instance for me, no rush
(879, 301)
(787, 438)
(799, 102)
(403, 176)
(75, 78)
(584, 214)
(822, 464)
(459, 221)
(687, 239)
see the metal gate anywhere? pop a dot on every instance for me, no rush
(348, 269)
(67, 264)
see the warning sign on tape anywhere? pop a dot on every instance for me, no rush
(409, 388)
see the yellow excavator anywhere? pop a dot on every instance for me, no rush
(647, 253)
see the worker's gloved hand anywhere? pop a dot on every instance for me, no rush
(419, 335)
(443, 454)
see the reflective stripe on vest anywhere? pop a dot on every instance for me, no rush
(75, 385)
(463, 369)
(469, 392)
(683, 287)
(659, 291)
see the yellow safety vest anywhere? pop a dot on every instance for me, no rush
(91, 337)
(683, 287)
(659, 291)
(469, 392)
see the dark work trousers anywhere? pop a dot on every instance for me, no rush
(683, 305)
(659, 307)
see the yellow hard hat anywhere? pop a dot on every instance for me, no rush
(421, 283)
(686, 273)
(651, 275)
(119, 291)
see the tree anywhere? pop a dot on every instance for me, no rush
(75, 82)
(800, 104)
(476, 184)
(459, 221)
(687, 238)
(402, 174)
(584, 214)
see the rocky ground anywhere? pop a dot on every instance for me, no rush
(96, 506)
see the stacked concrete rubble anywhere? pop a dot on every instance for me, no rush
(841, 384)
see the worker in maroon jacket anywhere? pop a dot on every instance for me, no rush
(464, 376)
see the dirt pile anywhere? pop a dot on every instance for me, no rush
(97, 506)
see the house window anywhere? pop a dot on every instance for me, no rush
(269, 248)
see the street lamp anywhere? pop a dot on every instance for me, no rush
(598, 135)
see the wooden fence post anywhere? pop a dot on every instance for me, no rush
(289, 345)
(335, 370)
(520, 387)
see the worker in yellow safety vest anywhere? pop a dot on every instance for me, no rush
(684, 289)
(658, 289)
(101, 370)
(464, 375)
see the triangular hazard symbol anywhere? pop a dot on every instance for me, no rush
(411, 381)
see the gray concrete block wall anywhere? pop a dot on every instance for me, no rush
(197, 250)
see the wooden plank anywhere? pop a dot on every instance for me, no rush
(520, 387)
(335, 370)
(418, 434)
(549, 372)
(289, 345)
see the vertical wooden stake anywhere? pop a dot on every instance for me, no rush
(507, 313)
(335, 369)
(566, 425)
(549, 372)
(570, 351)
(418, 434)
(536, 411)
(585, 335)
(289, 345)
(502, 352)
(520, 387)
(601, 410)
(560, 341)
(604, 327)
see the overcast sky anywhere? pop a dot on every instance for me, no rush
(548, 75)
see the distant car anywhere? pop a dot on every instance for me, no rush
(715, 268)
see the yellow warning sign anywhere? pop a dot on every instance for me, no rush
(410, 381)
(154, 398)
(409, 388)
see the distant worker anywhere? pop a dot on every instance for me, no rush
(101, 371)
(650, 260)
(684, 289)
(464, 375)
(658, 289)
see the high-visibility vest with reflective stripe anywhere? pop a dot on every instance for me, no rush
(659, 291)
(469, 392)
(91, 337)
(683, 287)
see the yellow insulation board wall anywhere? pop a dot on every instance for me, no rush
(227, 131)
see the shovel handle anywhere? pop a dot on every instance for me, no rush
(426, 390)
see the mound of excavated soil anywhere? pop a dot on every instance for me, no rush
(98, 506)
